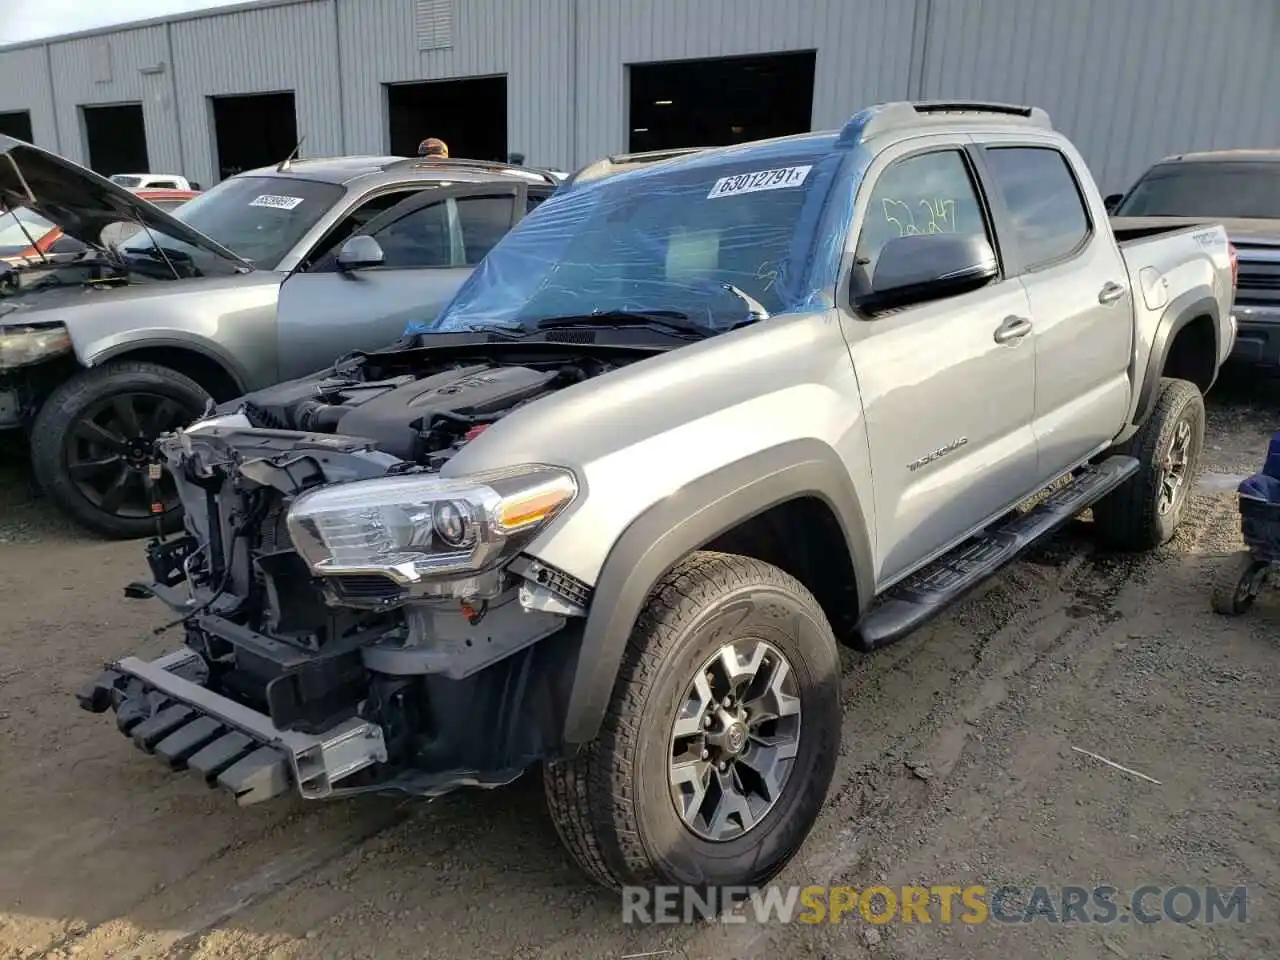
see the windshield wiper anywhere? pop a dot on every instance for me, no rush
(667, 321)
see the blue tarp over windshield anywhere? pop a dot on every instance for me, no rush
(666, 237)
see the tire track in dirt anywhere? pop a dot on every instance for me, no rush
(1007, 643)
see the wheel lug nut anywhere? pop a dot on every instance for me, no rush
(724, 765)
(727, 701)
(706, 754)
(706, 721)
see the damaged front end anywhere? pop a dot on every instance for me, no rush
(353, 621)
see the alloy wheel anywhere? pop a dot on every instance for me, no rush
(110, 448)
(734, 740)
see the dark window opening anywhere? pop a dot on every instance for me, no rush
(256, 130)
(17, 123)
(470, 116)
(116, 138)
(711, 103)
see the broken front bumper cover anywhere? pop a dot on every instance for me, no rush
(164, 707)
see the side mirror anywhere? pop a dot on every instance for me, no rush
(1111, 201)
(925, 267)
(360, 252)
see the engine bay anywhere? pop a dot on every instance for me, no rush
(418, 408)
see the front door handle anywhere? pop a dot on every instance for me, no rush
(1111, 292)
(1012, 329)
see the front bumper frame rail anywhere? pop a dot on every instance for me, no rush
(165, 709)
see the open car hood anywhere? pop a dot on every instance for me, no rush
(82, 203)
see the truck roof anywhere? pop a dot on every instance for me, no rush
(880, 120)
(1235, 155)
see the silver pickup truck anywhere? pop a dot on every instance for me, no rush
(694, 422)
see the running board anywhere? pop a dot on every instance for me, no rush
(928, 591)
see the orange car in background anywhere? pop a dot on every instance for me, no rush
(26, 237)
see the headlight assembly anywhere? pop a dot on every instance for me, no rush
(414, 527)
(22, 346)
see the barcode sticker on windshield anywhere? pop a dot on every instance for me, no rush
(778, 179)
(279, 203)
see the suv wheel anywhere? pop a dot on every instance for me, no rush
(92, 443)
(1144, 511)
(721, 737)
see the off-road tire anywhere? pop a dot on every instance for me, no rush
(611, 803)
(1128, 518)
(59, 415)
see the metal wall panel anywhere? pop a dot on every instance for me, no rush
(264, 50)
(24, 85)
(108, 69)
(528, 41)
(864, 52)
(1128, 82)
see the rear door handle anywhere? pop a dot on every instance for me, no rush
(1111, 292)
(1012, 329)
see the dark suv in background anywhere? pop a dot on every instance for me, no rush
(1241, 190)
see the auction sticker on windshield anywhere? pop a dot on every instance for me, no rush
(776, 179)
(279, 203)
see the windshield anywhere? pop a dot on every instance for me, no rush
(127, 182)
(259, 218)
(663, 239)
(1217, 190)
(17, 235)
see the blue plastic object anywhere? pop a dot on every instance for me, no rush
(1260, 507)
(1272, 467)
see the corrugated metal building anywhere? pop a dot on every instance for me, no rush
(1128, 80)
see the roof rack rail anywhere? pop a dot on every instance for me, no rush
(885, 117)
(600, 167)
(469, 164)
(654, 156)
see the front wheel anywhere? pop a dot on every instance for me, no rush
(92, 444)
(1144, 511)
(721, 737)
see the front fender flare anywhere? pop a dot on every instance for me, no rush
(681, 523)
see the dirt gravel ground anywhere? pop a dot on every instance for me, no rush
(957, 768)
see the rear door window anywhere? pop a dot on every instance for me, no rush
(483, 222)
(1042, 197)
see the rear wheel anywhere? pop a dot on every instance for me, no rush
(92, 443)
(1144, 511)
(720, 740)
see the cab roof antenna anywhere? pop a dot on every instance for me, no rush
(293, 155)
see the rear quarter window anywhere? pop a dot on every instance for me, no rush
(1040, 192)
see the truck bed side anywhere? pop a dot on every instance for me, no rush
(1178, 273)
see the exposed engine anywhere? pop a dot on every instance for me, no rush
(423, 418)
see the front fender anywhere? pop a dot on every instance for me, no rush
(681, 523)
(96, 353)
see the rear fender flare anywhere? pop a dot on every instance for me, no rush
(1184, 309)
(677, 526)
